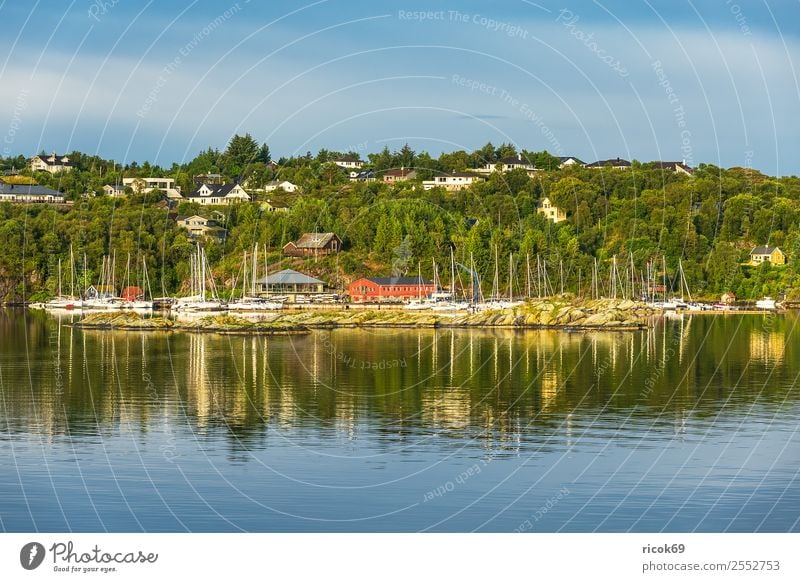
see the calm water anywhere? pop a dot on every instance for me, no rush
(691, 426)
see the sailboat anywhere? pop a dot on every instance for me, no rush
(198, 282)
(420, 302)
(61, 301)
(767, 303)
(106, 297)
(136, 303)
(446, 301)
(497, 301)
(252, 303)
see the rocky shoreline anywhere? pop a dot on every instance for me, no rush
(536, 314)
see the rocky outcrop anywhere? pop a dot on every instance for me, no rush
(543, 313)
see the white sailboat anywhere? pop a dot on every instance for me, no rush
(198, 282)
(252, 303)
(767, 303)
(446, 301)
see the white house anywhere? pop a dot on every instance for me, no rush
(52, 163)
(453, 181)
(222, 194)
(145, 185)
(114, 190)
(565, 161)
(348, 163)
(507, 164)
(550, 211)
(286, 186)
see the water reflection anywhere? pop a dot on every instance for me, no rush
(499, 387)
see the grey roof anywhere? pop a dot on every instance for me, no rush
(765, 250)
(57, 162)
(289, 277)
(28, 190)
(399, 281)
(612, 162)
(316, 240)
(515, 160)
(219, 190)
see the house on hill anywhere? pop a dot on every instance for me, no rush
(199, 226)
(399, 175)
(507, 164)
(219, 194)
(29, 194)
(378, 289)
(52, 164)
(564, 161)
(114, 190)
(316, 244)
(146, 185)
(767, 254)
(452, 181)
(677, 167)
(348, 163)
(550, 211)
(616, 163)
(285, 185)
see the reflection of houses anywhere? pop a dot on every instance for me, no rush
(52, 163)
(390, 289)
(452, 181)
(291, 284)
(767, 254)
(550, 211)
(223, 194)
(29, 194)
(767, 346)
(399, 175)
(145, 185)
(315, 244)
(199, 226)
(286, 186)
(617, 163)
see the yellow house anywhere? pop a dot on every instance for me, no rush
(550, 211)
(767, 254)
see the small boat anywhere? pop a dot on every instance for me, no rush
(767, 303)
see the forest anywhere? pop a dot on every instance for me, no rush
(646, 219)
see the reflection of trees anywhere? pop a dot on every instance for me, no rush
(494, 386)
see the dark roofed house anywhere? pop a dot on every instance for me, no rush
(52, 163)
(378, 289)
(316, 244)
(293, 285)
(767, 254)
(29, 194)
(677, 167)
(399, 175)
(212, 194)
(618, 163)
(569, 161)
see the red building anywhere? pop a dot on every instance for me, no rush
(390, 289)
(132, 294)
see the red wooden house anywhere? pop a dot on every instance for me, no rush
(389, 289)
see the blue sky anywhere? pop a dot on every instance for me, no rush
(712, 81)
